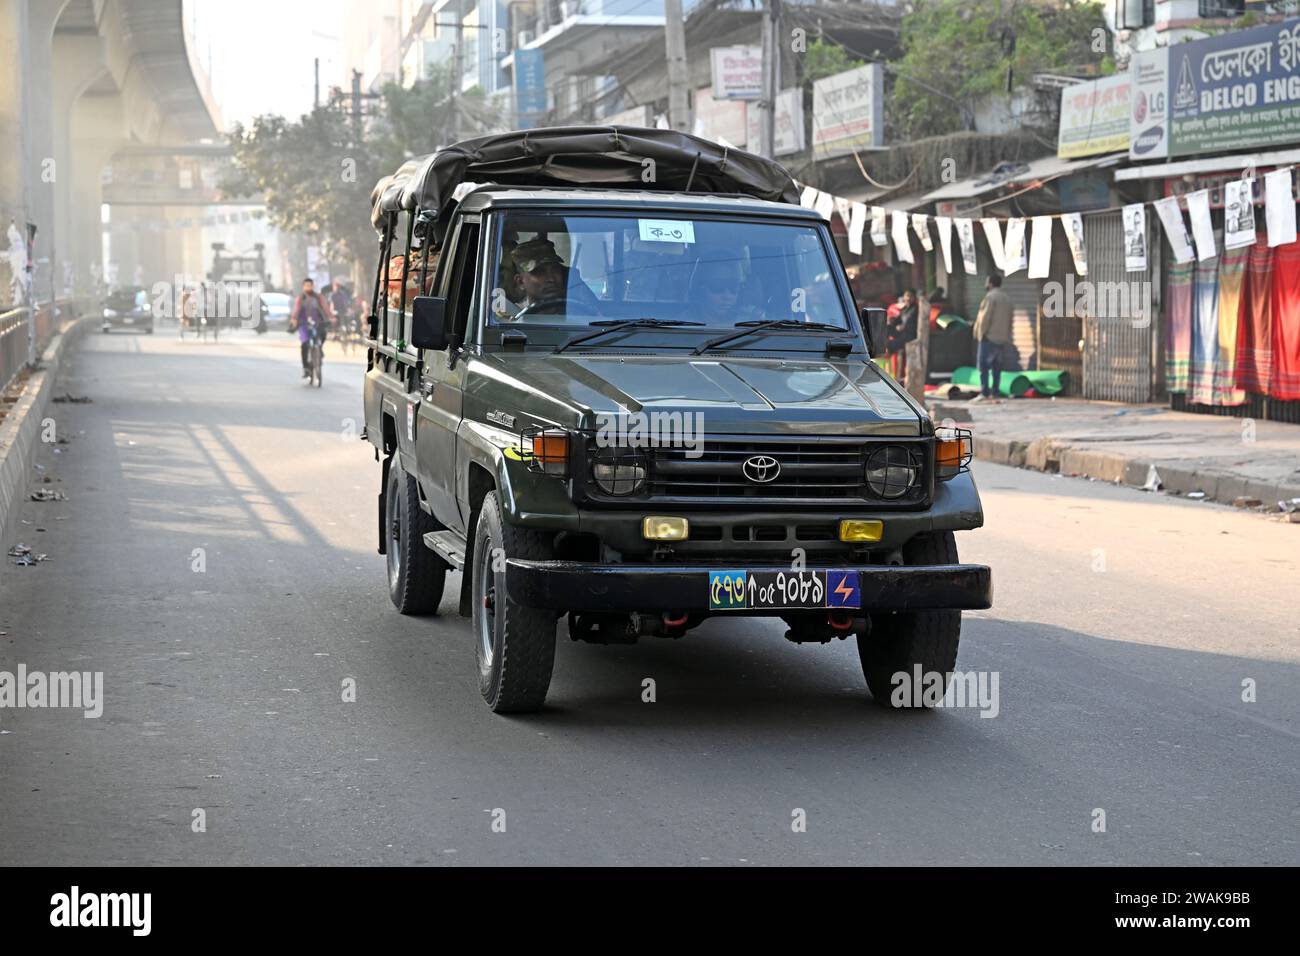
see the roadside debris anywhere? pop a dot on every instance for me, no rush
(1196, 495)
(48, 494)
(1153, 482)
(25, 557)
(1246, 501)
(1289, 505)
(67, 398)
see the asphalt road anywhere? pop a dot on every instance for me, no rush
(1124, 628)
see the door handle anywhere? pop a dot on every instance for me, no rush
(426, 387)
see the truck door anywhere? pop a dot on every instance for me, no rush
(442, 380)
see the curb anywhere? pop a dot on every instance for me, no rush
(20, 430)
(1056, 457)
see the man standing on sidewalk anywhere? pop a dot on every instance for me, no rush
(992, 336)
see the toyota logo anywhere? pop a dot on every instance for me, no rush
(761, 469)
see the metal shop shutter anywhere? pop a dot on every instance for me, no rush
(1117, 336)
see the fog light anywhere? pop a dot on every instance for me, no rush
(660, 528)
(858, 531)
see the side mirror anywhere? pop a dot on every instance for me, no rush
(429, 322)
(874, 323)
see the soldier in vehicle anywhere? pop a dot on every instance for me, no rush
(715, 294)
(545, 285)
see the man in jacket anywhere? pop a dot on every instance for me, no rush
(310, 316)
(992, 336)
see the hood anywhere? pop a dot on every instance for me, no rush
(734, 394)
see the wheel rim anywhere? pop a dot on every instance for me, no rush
(488, 616)
(393, 519)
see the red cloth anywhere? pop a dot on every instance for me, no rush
(1284, 382)
(1255, 328)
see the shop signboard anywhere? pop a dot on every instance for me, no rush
(848, 111)
(1094, 117)
(737, 72)
(1239, 90)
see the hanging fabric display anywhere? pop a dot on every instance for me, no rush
(842, 207)
(944, 225)
(1135, 237)
(857, 222)
(922, 230)
(902, 245)
(825, 205)
(1040, 248)
(1255, 327)
(993, 233)
(1171, 218)
(808, 198)
(1284, 382)
(879, 236)
(1014, 253)
(966, 238)
(1238, 214)
(1205, 332)
(1232, 275)
(1072, 222)
(1279, 207)
(1178, 304)
(1198, 208)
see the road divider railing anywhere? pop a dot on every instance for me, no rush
(27, 330)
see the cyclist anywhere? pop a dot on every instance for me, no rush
(310, 317)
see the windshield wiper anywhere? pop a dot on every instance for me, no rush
(614, 326)
(756, 325)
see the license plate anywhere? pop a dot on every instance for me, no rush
(129, 321)
(764, 590)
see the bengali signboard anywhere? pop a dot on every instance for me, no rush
(1235, 91)
(1094, 117)
(722, 121)
(737, 72)
(848, 111)
(789, 134)
(530, 87)
(1149, 103)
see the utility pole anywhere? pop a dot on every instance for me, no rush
(456, 68)
(315, 97)
(679, 112)
(356, 108)
(771, 79)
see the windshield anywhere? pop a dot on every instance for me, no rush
(565, 270)
(276, 300)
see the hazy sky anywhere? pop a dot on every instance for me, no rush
(259, 53)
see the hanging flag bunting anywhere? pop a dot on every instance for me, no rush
(902, 245)
(922, 230)
(825, 205)
(857, 223)
(808, 199)
(879, 236)
(842, 207)
(1014, 254)
(1072, 223)
(1040, 248)
(944, 225)
(966, 236)
(993, 233)
(1171, 217)
(1135, 237)
(1279, 207)
(1238, 213)
(1198, 207)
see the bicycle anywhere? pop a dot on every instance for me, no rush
(316, 358)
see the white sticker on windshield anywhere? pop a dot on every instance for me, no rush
(666, 230)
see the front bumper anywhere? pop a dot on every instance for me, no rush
(584, 586)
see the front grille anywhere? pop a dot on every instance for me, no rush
(828, 471)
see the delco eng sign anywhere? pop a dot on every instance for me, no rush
(1235, 91)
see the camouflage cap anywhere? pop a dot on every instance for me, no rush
(534, 253)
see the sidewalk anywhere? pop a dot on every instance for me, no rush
(1223, 458)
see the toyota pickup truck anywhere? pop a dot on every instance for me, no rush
(617, 380)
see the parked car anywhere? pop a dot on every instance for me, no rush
(514, 412)
(127, 307)
(274, 310)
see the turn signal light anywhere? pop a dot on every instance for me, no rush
(550, 452)
(856, 532)
(661, 528)
(952, 455)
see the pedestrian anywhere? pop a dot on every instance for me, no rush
(902, 329)
(992, 336)
(310, 316)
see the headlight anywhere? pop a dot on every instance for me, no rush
(892, 471)
(110, 313)
(618, 471)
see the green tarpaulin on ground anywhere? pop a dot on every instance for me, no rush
(1015, 384)
(944, 321)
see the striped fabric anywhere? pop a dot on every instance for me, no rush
(1232, 277)
(1178, 318)
(1205, 332)
(1255, 328)
(1284, 382)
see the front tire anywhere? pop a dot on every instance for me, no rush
(899, 641)
(416, 575)
(514, 645)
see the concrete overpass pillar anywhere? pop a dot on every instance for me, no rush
(42, 168)
(97, 133)
(14, 200)
(81, 64)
